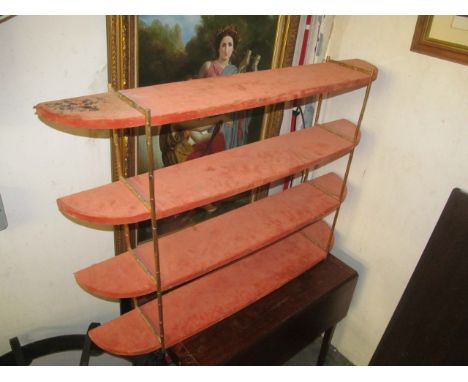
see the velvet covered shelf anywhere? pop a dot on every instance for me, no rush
(186, 100)
(210, 178)
(198, 249)
(207, 300)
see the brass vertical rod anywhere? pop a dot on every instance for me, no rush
(319, 102)
(363, 108)
(305, 175)
(127, 237)
(350, 159)
(117, 152)
(154, 230)
(119, 159)
(319, 106)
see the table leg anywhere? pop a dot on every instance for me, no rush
(325, 345)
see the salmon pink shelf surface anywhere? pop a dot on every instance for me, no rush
(186, 100)
(196, 250)
(209, 299)
(204, 180)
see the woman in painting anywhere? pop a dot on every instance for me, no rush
(193, 139)
(225, 42)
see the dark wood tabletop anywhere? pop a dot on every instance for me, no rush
(279, 325)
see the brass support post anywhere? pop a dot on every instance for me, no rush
(154, 232)
(350, 159)
(121, 176)
(305, 175)
(319, 106)
(319, 102)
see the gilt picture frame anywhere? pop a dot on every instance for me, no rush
(444, 37)
(123, 72)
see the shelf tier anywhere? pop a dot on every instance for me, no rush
(209, 299)
(197, 250)
(201, 181)
(187, 100)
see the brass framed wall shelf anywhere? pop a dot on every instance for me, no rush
(208, 272)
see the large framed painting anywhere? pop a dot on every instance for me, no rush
(148, 50)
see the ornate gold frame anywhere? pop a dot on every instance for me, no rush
(445, 50)
(122, 71)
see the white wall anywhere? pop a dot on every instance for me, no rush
(414, 150)
(46, 58)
